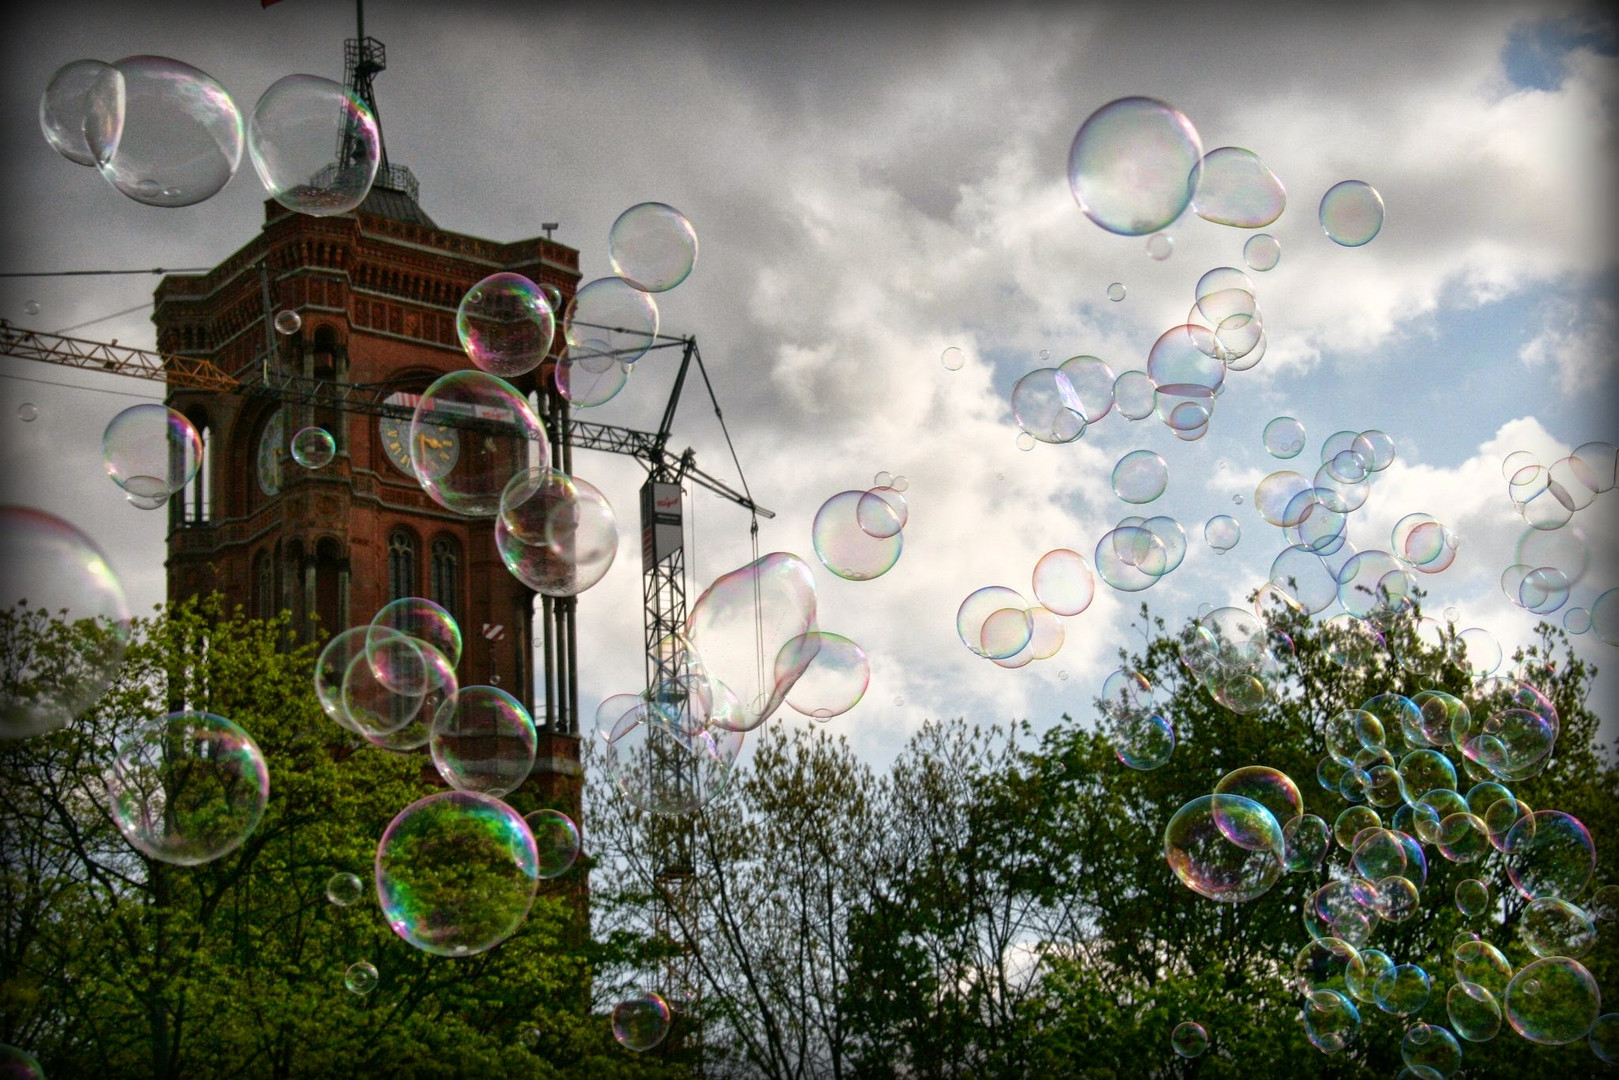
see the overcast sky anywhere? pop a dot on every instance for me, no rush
(871, 188)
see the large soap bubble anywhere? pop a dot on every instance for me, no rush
(846, 547)
(421, 618)
(750, 611)
(1225, 847)
(181, 138)
(610, 318)
(505, 324)
(456, 873)
(82, 111)
(484, 741)
(1552, 1001)
(470, 434)
(188, 787)
(151, 451)
(556, 533)
(1237, 189)
(663, 767)
(652, 246)
(832, 681)
(1134, 165)
(1351, 213)
(49, 570)
(314, 144)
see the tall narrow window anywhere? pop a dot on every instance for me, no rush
(401, 565)
(446, 583)
(264, 605)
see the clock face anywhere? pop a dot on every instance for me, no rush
(440, 446)
(269, 455)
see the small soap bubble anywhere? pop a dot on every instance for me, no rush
(360, 978)
(1160, 246)
(1025, 442)
(556, 838)
(1222, 532)
(641, 1022)
(1189, 1040)
(1351, 213)
(31, 307)
(28, 412)
(953, 359)
(1262, 252)
(314, 448)
(343, 888)
(1116, 291)
(1237, 498)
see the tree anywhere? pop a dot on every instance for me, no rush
(115, 964)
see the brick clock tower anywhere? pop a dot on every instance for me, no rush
(377, 291)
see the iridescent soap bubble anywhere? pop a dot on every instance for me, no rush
(1552, 927)
(1481, 964)
(313, 447)
(424, 620)
(1550, 853)
(1189, 1040)
(1225, 847)
(188, 787)
(181, 138)
(641, 1022)
(1262, 252)
(1063, 582)
(883, 511)
(1552, 1001)
(1284, 437)
(470, 433)
(1133, 395)
(1270, 788)
(151, 450)
(652, 246)
(505, 325)
(287, 322)
(344, 888)
(360, 978)
(1160, 246)
(1276, 493)
(54, 581)
(847, 549)
(753, 611)
(1605, 617)
(1604, 1037)
(1237, 189)
(556, 840)
(1087, 386)
(1474, 1012)
(17, 1064)
(1116, 291)
(1131, 558)
(556, 533)
(662, 766)
(1134, 165)
(1402, 991)
(1351, 213)
(1331, 1021)
(484, 741)
(953, 359)
(1430, 1051)
(1472, 897)
(1222, 532)
(315, 145)
(1142, 740)
(1046, 407)
(590, 374)
(1307, 838)
(832, 681)
(609, 317)
(81, 112)
(1140, 477)
(456, 873)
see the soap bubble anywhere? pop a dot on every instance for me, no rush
(81, 112)
(953, 359)
(1549, 853)
(1552, 927)
(1331, 1021)
(1046, 407)
(484, 741)
(1134, 165)
(1237, 189)
(1189, 1040)
(1160, 246)
(28, 412)
(1133, 395)
(1351, 213)
(641, 1022)
(1225, 847)
(1222, 532)
(1270, 788)
(422, 619)
(556, 533)
(1481, 964)
(1605, 617)
(315, 145)
(360, 978)
(151, 450)
(1430, 1051)
(470, 433)
(18, 1064)
(834, 678)
(590, 374)
(652, 246)
(313, 447)
(1262, 252)
(1307, 838)
(456, 873)
(288, 322)
(556, 840)
(181, 138)
(663, 766)
(49, 570)
(1089, 389)
(1552, 1001)
(188, 787)
(1131, 558)
(755, 609)
(1116, 291)
(845, 548)
(1284, 437)
(1063, 582)
(1474, 1012)
(1604, 1037)
(1140, 477)
(505, 325)
(1402, 991)
(882, 512)
(609, 317)
(343, 889)
(1142, 739)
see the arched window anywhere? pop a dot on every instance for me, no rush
(446, 575)
(401, 565)
(264, 605)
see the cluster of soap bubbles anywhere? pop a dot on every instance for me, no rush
(859, 535)
(1553, 555)
(166, 134)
